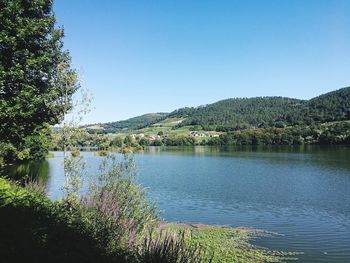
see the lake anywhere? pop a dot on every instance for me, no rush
(301, 193)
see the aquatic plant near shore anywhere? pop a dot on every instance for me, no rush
(172, 247)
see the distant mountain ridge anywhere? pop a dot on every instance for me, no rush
(241, 113)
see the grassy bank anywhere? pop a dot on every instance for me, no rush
(35, 229)
(227, 244)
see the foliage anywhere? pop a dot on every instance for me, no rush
(226, 244)
(332, 106)
(33, 229)
(267, 112)
(108, 225)
(130, 124)
(116, 209)
(323, 133)
(234, 114)
(102, 153)
(167, 246)
(74, 173)
(332, 133)
(117, 141)
(34, 74)
(75, 152)
(100, 142)
(250, 121)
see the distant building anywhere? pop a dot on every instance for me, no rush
(154, 137)
(195, 134)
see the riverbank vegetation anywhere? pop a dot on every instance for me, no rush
(113, 222)
(231, 244)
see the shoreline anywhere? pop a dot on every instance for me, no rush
(231, 244)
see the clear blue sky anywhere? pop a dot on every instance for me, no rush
(157, 56)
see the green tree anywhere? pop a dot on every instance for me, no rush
(128, 141)
(36, 78)
(117, 141)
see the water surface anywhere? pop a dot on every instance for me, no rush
(302, 193)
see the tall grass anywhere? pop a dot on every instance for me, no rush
(120, 217)
(113, 222)
(171, 247)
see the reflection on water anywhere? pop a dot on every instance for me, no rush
(300, 192)
(323, 155)
(39, 170)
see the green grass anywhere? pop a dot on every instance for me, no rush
(169, 122)
(166, 126)
(230, 244)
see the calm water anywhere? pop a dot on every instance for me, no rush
(302, 193)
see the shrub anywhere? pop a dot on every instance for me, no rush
(109, 224)
(116, 209)
(33, 229)
(102, 153)
(75, 152)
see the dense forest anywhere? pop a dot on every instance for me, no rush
(235, 114)
(267, 112)
(247, 121)
(246, 113)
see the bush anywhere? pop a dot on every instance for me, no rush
(75, 152)
(116, 209)
(102, 153)
(109, 224)
(33, 229)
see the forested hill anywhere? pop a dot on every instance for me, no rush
(135, 123)
(241, 113)
(332, 106)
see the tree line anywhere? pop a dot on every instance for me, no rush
(329, 133)
(267, 112)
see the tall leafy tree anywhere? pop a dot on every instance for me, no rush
(36, 78)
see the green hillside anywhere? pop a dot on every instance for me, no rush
(267, 112)
(243, 113)
(240, 113)
(135, 123)
(332, 106)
